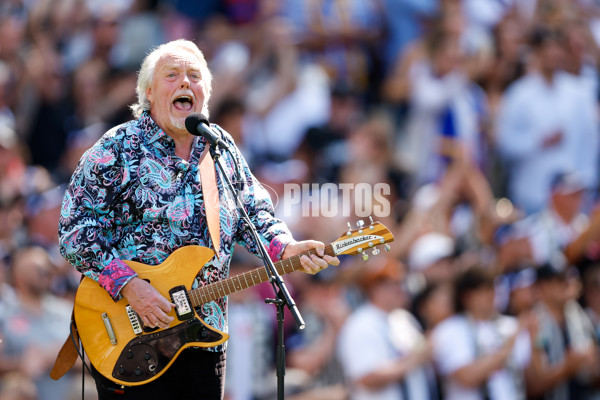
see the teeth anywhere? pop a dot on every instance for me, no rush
(188, 98)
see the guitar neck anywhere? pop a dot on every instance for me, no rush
(247, 279)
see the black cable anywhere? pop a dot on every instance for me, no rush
(93, 375)
(82, 377)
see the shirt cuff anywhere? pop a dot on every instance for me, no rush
(114, 276)
(277, 246)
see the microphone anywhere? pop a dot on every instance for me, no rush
(198, 125)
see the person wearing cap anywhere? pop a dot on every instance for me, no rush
(547, 123)
(430, 255)
(376, 364)
(550, 231)
(479, 353)
(565, 362)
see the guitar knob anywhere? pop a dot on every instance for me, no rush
(387, 247)
(122, 371)
(365, 256)
(130, 354)
(375, 251)
(138, 372)
(147, 356)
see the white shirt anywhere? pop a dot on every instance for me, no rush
(364, 344)
(548, 234)
(458, 342)
(534, 110)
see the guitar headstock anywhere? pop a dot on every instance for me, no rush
(365, 237)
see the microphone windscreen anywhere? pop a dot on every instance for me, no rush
(192, 121)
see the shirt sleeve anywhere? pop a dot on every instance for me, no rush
(453, 346)
(273, 232)
(517, 135)
(91, 217)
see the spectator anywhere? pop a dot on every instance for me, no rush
(382, 370)
(565, 359)
(591, 295)
(312, 350)
(34, 327)
(549, 231)
(480, 353)
(547, 125)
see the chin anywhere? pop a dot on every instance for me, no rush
(178, 123)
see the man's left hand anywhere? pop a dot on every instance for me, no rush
(313, 263)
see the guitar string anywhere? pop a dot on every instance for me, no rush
(205, 294)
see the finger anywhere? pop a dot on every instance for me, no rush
(332, 260)
(152, 320)
(320, 248)
(308, 265)
(319, 262)
(163, 318)
(165, 305)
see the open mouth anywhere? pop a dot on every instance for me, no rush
(183, 103)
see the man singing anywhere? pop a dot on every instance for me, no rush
(137, 194)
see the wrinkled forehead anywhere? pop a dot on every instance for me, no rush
(179, 58)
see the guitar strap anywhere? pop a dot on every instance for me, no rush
(210, 193)
(68, 353)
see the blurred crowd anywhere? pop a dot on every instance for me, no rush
(480, 115)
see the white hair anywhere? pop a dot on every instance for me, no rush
(146, 73)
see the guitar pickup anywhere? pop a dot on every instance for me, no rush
(134, 320)
(183, 306)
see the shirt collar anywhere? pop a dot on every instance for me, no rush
(150, 129)
(153, 132)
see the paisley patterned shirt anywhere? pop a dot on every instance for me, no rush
(132, 198)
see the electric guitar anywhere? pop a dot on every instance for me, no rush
(125, 351)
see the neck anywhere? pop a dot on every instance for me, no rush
(479, 315)
(31, 301)
(556, 310)
(183, 146)
(548, 76)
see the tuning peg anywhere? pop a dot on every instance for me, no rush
(375, 251)
(349, 229)
(360, 223)
(371, 223)
(365, 256)
(387, 247)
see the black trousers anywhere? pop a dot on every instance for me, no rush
(195, 375)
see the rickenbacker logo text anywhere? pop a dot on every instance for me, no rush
(345, 244)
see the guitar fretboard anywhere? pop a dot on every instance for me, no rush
(247, 279)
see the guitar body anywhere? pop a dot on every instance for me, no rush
(137, 355)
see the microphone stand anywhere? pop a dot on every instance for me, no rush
(283, 297)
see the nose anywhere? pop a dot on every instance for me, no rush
(185, 83)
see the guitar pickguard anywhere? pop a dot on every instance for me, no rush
(146, 356)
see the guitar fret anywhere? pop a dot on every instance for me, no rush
(231, 286)
(246, 279)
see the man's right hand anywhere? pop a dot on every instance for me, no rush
(150, 305)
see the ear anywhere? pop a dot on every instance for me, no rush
(149, 95)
